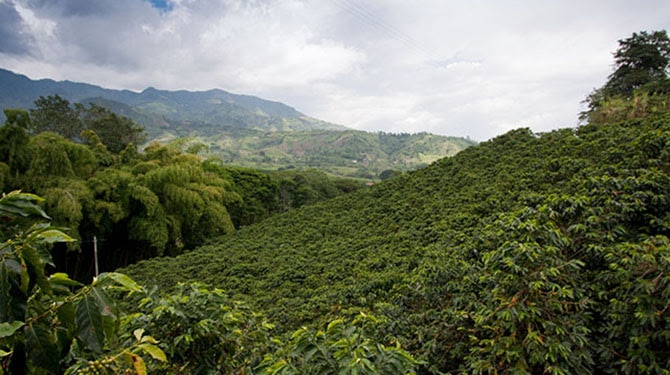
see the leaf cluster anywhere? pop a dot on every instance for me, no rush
(50, 323)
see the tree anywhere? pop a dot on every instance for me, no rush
(55, 114)
(14, 140)
(642, 62)
(116, 132)
(641, 59)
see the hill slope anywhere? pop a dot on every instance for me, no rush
(245, 130)
(540, 253)
(349, 153)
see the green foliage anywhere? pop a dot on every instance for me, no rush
(50, 323)
(202, 331)
(527, 253)
(162, 202)
(14, 141)
(641, 59)
(641, 67)
(343, 153)
(115, 132)
(56, 115)
(339, 349)
(262, 194)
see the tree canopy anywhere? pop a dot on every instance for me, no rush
(641, 67)
(56, 114)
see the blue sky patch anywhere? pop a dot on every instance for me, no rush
(163, 5)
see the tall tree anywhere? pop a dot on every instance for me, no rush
(641, 59)
(58, 115)
(55, 114)
(116, 132)
(642, 62)
(14, 140)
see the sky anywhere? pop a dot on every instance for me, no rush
(475, 68)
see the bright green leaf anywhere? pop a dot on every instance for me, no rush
(126, 282)
(154, 351)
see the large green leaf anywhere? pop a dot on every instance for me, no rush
(8, 329)
(61, 283)
(126, 283)
(154, 351)
(41, 348)
(54, 235)
(23, 204)
(67, 314)
(108, 310)
(37, 263)
(90, 329)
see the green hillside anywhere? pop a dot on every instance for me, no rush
(526, 254)
(244, 130)
(348, 153)
(525, 230)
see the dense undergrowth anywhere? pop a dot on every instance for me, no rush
(526, 254)
(535, 252)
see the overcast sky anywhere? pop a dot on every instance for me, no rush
(474, 68)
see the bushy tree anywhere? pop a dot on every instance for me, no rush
(641, 64)
(115, 132)
(14, 141)
(57, 115)
(642, 59)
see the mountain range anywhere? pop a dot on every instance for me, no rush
(245, 130)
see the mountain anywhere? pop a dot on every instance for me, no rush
(151, 106)
(347, 153)
(245, 130)
(542, 253)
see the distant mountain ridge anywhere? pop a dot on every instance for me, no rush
(153, 108)
(245, 130)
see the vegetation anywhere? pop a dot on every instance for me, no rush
(526, 254)
(162, 202)
(55, 114)
(240, 130)
(52, 324)
(529, 253)
(639, 85)
(45, 326)
(344, 153)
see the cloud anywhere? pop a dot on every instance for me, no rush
(14, 36)
(474, 68)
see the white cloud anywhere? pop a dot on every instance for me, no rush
(474, 68)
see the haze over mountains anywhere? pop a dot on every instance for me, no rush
(153, 108)
(245, 130)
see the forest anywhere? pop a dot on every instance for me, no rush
(525, 254)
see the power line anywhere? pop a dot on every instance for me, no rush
(371, 19)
